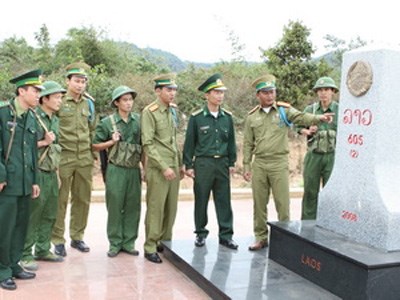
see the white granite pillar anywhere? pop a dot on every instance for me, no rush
(362, 197)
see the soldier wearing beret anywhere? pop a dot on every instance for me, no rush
(265, 153)
(44, 210)
(209, 156)
(120, 134)
(321, 142)
(77, 125)
(163, 166)
(18, 174)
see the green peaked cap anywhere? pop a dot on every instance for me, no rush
(213, 82)
(29, 78)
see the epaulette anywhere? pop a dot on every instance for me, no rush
(4, 103)
(284, 104)
(254, 109)
(153, 107)
(86, 94)
(195, 113)
(227, 111)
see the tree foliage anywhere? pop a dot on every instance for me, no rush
(291, 62)
(117, 63)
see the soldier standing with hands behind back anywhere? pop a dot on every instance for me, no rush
(18, 174)
(77, 125)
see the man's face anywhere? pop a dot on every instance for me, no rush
(125, 103)
(29, 96)
(266, 98)
(52, 102)
(325, 94)
(166, 94)
(76, 84)
(215, 97)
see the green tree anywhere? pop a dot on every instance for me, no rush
(291, 62)
(45, 53)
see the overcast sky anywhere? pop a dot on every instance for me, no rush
(198, 30)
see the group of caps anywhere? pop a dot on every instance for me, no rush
(214, 82)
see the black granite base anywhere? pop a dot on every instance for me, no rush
(239, 274)
(347, 269)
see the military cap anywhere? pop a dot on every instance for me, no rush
(167, 80)
(325, 82)
(51, 87)
(122, 90)
(264, 83)
(213, 82)
(29, 78)
(78, 68)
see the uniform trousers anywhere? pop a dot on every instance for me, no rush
(269, 175)
(14, 216)
(43, 213)
(123, 200)
(162, 203)
(317, 167)
(76, 178)
(212, 175)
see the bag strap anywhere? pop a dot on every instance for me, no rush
(12, 135)
(39, 119)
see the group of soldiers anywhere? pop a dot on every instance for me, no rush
(49, 136)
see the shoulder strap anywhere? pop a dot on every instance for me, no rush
(12, 135)
(113, 123)
(91, 109)
(283, 116)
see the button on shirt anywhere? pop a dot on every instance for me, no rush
(209, 136)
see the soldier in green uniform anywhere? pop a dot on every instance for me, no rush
(44, 210)
(120, 134)
(266, 141)
(163, 166)
(321, 142)
(77, 125)
(18, 174)
(209, 156)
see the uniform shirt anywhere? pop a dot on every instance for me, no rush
(317, 109)
(208, 136)
(266, 135)
(51, 123)
(159, 136)
(20, 172)
(130, 130)
(76, 128)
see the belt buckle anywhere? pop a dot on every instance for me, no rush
(217, 156)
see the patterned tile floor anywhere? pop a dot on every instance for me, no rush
(95, 276)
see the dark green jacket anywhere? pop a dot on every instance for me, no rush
(207, 136)
(20, 171)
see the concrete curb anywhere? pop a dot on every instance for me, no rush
(187, 194)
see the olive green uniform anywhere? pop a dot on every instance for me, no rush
(266, 139)
(43, 211)
(160, 145)
(20, 173)
(123, 180)
(77, 124)
(319, 159)
(210, 149)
